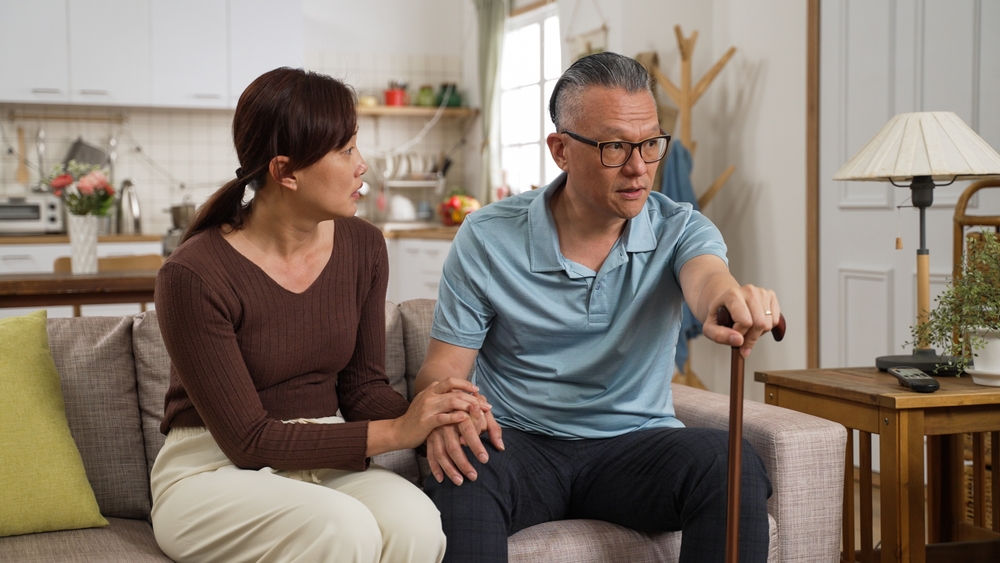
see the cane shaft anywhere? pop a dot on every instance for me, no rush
(735, 455)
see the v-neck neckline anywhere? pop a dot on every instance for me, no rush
(312, 284)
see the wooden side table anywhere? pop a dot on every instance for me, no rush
(873, 402)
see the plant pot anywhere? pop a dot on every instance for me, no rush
(986, 370)
(83, 243)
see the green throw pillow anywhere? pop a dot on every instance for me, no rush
(43, 485)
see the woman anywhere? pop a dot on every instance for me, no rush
(273, 314)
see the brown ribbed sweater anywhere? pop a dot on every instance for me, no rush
(247, 354)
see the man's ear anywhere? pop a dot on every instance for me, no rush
(558, 149)
(282, 173)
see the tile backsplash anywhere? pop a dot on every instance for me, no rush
(171, 154)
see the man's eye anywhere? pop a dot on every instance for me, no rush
(616, 146)
(651, 143)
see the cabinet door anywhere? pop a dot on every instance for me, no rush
(109, 52)
(34, 60)
(189, 50)
(418, 268)
(263, 35)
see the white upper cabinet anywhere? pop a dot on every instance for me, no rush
(34, 54)
(163, 53)
(109, 52)
(189, 49)
(263, 35)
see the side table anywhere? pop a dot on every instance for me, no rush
(873, 402)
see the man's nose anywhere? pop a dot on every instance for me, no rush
(635, 165)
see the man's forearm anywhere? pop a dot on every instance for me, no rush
(443, 361)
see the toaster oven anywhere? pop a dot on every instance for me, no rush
(35, 214)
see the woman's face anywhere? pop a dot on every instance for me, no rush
(330, 185)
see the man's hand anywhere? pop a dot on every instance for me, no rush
(708, 285)
(755, 311)
(444, 447)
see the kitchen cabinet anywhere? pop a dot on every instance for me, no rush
(415, 267)
(109, 58)
(189, 53)
(39, 258)
(263, 35)
(34, 44)
(161, 53)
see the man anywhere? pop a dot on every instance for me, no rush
(567, 301)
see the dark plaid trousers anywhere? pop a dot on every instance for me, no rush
(650, 480)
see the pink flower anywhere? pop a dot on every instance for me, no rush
(61, 181)
(92, 181)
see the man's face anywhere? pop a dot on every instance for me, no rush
(607, 115)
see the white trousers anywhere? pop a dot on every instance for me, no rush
(207, 509)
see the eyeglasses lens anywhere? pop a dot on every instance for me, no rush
(650, 150)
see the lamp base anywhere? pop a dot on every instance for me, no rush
(927, 361)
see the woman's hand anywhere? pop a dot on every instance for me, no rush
(449, 401)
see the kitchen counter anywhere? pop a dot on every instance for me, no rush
(64, 239)
(430, 233)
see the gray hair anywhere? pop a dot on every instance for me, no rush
(608, 70)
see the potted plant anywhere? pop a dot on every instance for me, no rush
(88, 195)
(966, 321)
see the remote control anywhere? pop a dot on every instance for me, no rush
(915, 379)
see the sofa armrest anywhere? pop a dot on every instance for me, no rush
(804, 456)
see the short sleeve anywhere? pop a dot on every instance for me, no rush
(700, 237)
(463, 312)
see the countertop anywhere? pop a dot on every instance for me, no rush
(432, 233)
(64, 239)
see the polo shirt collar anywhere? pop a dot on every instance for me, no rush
(543, 239)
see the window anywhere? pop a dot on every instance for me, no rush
(532, 63)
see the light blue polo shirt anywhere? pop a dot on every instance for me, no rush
(565, 351)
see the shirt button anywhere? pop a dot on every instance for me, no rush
(598, 287)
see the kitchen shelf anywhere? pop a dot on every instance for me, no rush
(415, 111)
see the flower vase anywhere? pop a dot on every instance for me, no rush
(83, 243)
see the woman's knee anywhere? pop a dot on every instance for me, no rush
(413, 532)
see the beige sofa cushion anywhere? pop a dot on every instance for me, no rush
(95, 364)
(123, 541)
(152, 368)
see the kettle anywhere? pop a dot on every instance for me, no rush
(128, 210)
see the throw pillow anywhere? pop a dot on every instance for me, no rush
(42, 481)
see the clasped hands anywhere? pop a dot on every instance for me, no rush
(451, 413)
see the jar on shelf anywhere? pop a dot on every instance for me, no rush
(425, 96)
(449, 95)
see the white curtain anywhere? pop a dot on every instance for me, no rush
(491, 17)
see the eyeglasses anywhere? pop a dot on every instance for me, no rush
(617, 153)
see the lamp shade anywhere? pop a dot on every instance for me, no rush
(935, 143)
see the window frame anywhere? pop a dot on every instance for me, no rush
(539, 16)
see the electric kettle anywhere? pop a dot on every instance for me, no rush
(128, 210)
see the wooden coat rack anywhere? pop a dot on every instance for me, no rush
(685, 97)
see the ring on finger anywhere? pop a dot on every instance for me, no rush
(767, 312)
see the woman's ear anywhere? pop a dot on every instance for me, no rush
(282, 173)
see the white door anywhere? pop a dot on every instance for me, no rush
(109, 54)
(879, 59)
(263, 35)
(34, 65)
(190, 49)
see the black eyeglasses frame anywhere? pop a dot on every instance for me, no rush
(633, 146)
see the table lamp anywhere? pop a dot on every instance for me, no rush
(922, 148)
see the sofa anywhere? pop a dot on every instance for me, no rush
(113, 392)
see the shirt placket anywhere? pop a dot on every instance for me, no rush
(606, 281)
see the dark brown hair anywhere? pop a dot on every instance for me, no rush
(285, 112)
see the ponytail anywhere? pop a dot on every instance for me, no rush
(224, 207)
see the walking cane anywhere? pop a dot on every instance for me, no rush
(736, 436)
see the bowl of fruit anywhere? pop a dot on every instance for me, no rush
(455, 207)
